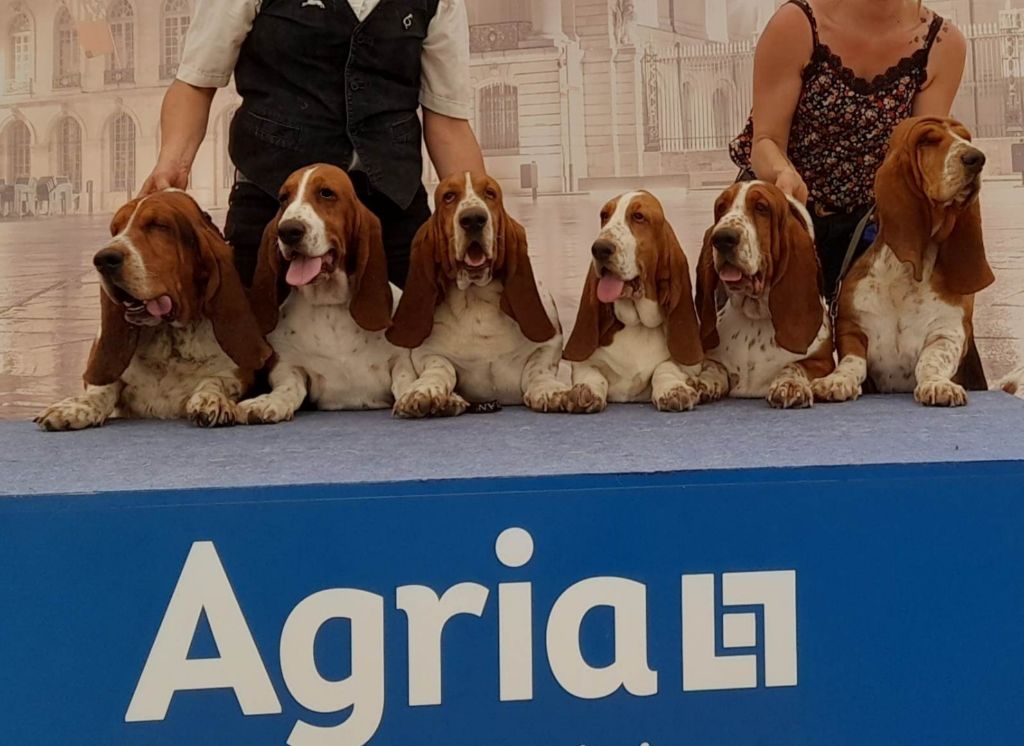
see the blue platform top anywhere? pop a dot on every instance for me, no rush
(354, 448)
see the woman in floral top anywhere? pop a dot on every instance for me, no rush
(832, 79)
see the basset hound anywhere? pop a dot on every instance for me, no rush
(636, 336)
(771, 337)
(321, 294)
(906, 308)
(480, 328)
(177, 336)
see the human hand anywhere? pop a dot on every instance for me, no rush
(166, 176)
(790, 182)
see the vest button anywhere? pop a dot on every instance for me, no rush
(355, 85)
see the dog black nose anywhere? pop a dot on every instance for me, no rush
(973, 159)
(108, 261)
(726, 239)
(473, 219)
(291, 231)
(602, 250)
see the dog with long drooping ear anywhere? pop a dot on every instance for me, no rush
(480, 328)
(905, 319)
(177, 335)
(771, 336)
(636, 336)
(322, 295)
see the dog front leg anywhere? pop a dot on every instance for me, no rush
(213, 403)
(939, 360)
(433, 393)
(90, 409)
(543, 392)
(846, 383)
(589, 392)
(713, 382)
(672, 387)
(289, 389)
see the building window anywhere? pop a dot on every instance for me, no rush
(121, 64)
(122, 153)
(499, 117)
(22, 54)
(17, 145)
(176, 19)
(66, 68)
(69, 151)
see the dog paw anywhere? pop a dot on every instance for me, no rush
(264, 410)
(940, 394)
(581, 399)
(680, 398)
(791, 392)
(1012, 384)
(417, 404)
(548, 399)
(711, 390)
(210, 410)
(836, 388)
(70, 414)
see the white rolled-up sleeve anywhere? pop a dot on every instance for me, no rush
(214, 39)
(446, 87)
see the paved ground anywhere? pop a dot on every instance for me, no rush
(49, 305)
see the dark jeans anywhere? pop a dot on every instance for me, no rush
(250, 209)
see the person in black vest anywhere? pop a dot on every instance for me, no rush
(336, 81)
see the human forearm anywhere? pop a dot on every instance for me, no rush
(183, 121)
(768, 159)
(452, 145)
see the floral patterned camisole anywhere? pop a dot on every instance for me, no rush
(842, 124)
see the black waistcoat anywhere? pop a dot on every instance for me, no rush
(318, 85)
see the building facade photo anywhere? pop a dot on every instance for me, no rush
(594, 92)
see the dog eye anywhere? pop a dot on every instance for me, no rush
(283, 198)
(328, 194)
(638, 217)
(605, 216)
(158, 226)
(761, 207)
(491, 194)
(449, 197)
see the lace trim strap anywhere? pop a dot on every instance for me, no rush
(806, 8)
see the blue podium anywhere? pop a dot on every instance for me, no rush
(843, 576)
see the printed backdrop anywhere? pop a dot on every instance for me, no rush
(602, 95)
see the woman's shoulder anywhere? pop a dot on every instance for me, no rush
(950, 43)
(789, 33)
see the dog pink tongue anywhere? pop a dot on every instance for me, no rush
(730, 273)
(159, 307)
(609, 289)
(303, 270)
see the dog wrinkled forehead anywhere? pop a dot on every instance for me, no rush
(463, 186)
(316, 183)
(168, 210)
(727, 198)
(919, 132)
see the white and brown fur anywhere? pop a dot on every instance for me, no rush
(772, 337)
(645, 346)
(194, 362)
(480, 328)
(328, 336)
(906, 309)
